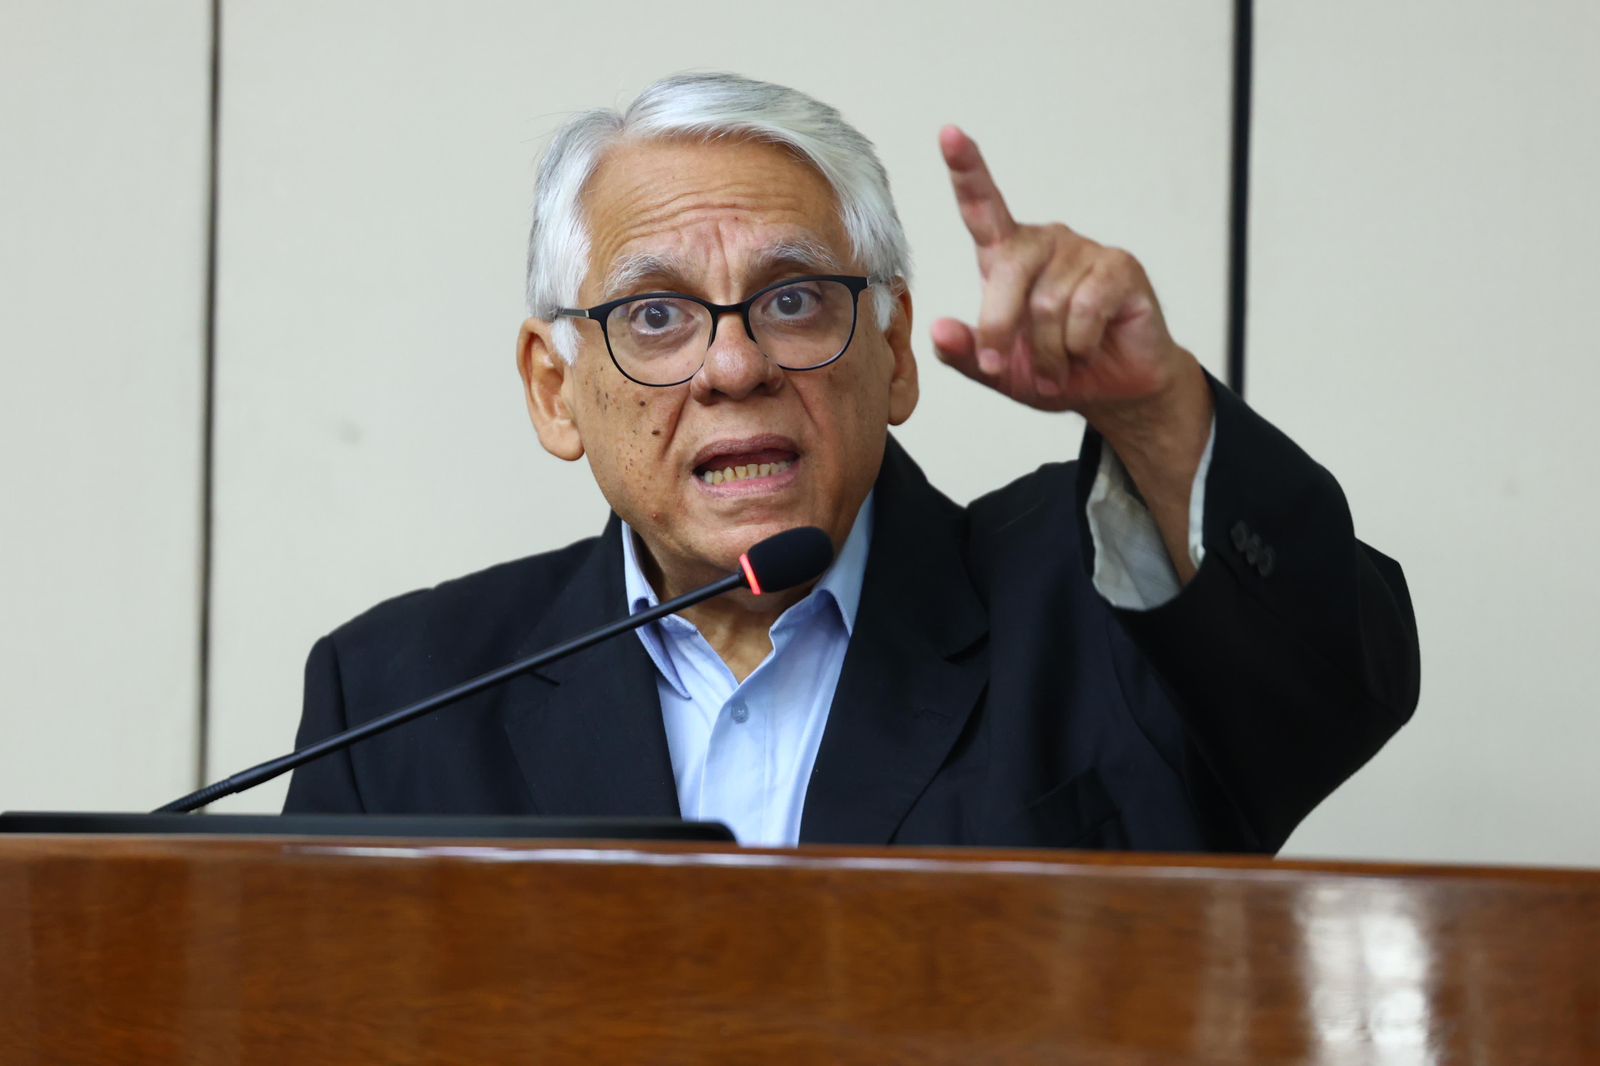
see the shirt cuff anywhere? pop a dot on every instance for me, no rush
(1131, 567)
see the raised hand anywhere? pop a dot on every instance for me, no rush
(1066, 323)
(1071, 325)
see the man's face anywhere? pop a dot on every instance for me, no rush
(710, 217)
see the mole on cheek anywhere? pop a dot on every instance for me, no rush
(655, 433)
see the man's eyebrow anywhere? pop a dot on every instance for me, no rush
(803, 253)
(798, 253)
(628, 271)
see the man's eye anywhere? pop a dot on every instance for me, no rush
(655, 316)
(793, 302)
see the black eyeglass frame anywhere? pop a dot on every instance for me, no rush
(856, 283)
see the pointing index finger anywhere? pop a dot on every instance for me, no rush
(983, 209)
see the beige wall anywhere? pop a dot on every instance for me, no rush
(1424, 319)
(1420, 320)
(102, 309)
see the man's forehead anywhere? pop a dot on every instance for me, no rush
(668, 207)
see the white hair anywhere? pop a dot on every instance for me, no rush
(707, 106)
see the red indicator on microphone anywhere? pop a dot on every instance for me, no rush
(750, 573)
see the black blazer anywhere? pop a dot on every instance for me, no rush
(989, 695)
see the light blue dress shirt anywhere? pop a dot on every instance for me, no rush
(742, 753)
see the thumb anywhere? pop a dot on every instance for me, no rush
(956, 345)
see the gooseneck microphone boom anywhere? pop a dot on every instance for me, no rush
(782, 561)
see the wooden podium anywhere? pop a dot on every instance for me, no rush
(290, 951)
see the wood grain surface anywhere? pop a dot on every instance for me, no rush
(217, 950)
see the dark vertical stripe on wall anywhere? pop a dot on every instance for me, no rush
(208, 403)
(1239, 195)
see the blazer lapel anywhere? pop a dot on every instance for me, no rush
(916, 666)
(586, 730)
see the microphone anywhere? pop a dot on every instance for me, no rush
(780, 562)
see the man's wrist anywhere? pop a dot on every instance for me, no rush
(1160, 442)
(1160, 438)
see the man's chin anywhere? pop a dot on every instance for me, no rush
(733, 541)
(731, 525)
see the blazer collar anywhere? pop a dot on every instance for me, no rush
(916, 666)
(586, 730)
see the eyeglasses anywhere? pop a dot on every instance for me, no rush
(660, 339)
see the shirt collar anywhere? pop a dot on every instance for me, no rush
(843, 579)
(841, 582)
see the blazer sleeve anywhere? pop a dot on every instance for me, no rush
(326, 785)
(1292, 654)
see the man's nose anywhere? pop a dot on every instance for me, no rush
(734, 366)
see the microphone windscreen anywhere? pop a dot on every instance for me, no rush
(787, 559)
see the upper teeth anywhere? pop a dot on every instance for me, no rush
(739, 473)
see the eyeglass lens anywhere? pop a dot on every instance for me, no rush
(662, 340)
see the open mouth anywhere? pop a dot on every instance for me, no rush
(730, 462)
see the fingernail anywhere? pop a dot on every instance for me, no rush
(990, 361)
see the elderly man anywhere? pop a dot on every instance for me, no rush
(1174, 643)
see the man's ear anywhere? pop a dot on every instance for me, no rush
(903, 388)
(545, 377)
